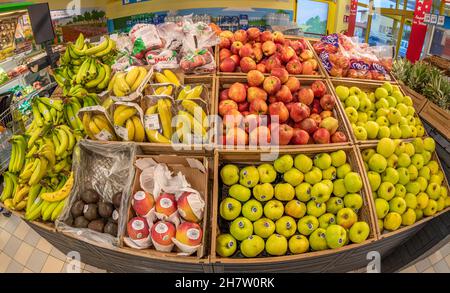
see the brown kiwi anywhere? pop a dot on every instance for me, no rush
(111, 228)
(105, 209)
(97, 225)
(81, 222)
(90, 196)
(69, 220)
(115, 216)
(77, 209)
(116, 199)
(90, 212)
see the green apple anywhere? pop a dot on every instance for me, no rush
(229, 174)
(286, 226)
(382, 121)
(426, 157)
(338, 158)
(366, 166)
(413, 172)
(386, 147)
(444, 192)
(411, 120)
(417, 160)
(230, 209)
(322, 161)
(360, 133)
(294, 177)
(355, 91)
(226, 245)
(315, 209)
(409, 149)
(382, 112)
(400, 146)
(342, 92)
(429, 144)
(434, 167)
(267, 173)
(434, 191)
(419, 214)
(352, 101)
(328, 183)
(392, 161)
(252, 210)
(390, 175)
(276, 245)
(380, 225)
(392, 102)
(403, 121)
(318, 240)
(284, 192)
(372, 129)
(327, 219)
(264, 227)
(362, 117)
(353, 201)
(343, 170)
(382, 104)
(392, 221)
(382, 208)
(409, 217)
(240, 192)
(440, 204)
(335, 236)
(420, 130)
(388, 87)
(411, 201)
(353, 182)
(406, 131)
(295, 209)
(283, 164)
(346, 217)
(377, 163)
(418, 145)
(411, 111)
(314, 176)
(339, 188)
(329, 174)
(303, 163)
(408, 101)
(273, 209)
(436, 179)
(384, 132)
(320, 192)
(352, 114)
(431, 208)
(413, 187)
(400, 190)
(241, 228)
(303, 192)
(386, 191)
(252, 246)
(263, 192)
(371, 115)
(307, 225)
(422, 200)
(423, 183)
(398, 205)
(374, 180)
(249, 176)
(404, 160)
(372, 97)
(395, 131)
(367, 154)
(394, 116)
(298, 244)
(425, 172)
(447, 202)
(359, 232)
(413, 131)
(398, 96)
(334, 204)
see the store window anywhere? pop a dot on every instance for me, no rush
(385, 3)
(362, 16)
(312, 16)
(384, 30)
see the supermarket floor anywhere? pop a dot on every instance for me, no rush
(23, 250)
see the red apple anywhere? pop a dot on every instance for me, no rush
(319, 88)
(255, 78)
(331, 124)
(253, 33)
(258, 54)
(316, 118)
(272, 62)
(142, 203)
(241, 36)
(166, 204)
(269, 48)
(258, 106)
(309, 125)
(306, 55)
(306, 96)
(326, 114)
(246, 51)
(316, 107)
(236, 136)
(238, 92)
(224, 54)
(137, 228)
(314, 64)
(327, 102)
(261, 67)
(285, 133)
(190, 234)
(226, 34)
(232, 118)
(252, 121)
(281, 73)
(236, 46)
(247, 64)
(163, 232)
(256, 93)
(236, 58)
(321, 136)
(260, 136)
(272, 85)
(224, 95)
(307, 68)
(185, 207)
(278, 37)
(266, 36)
(293, 84)
(294, 67)
(300, 137)
(287, 53)
(224, 43)
(299, 112)
(226, 106)
(227, 65)
(244, 106)
(284, 94)
(280, 110)
(297, 46)
(338, 137)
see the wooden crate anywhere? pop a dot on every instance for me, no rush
(226, 82)
(249, 158)
(437, 117)
(364, 86)
(175, 164)
(387, 234)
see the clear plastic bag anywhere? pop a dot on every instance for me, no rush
(107, 169)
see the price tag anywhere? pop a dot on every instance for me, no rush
(104, 135)
(152, 122)
(122, 132)
(441, 20)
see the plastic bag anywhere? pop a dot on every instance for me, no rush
(158, 117)
(145, 37)
(107, 169)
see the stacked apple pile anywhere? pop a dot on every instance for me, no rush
(383, 113)
(406, 184)
(297, 205)
(264, 51)
(305, 114)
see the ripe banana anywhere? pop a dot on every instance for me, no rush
(195, 126)
(195, 93)
(39, 172)
(99, 48)
(34, 192)
(111, 46)
(171, 77)
(112, 82)
(121, 117)
(195, 110)
(86, 125)
(183, 93)
(165, 116)
(156, 137)
(103, 84)
(130, 129)
(121, 87)
(60, 194)
(20, 194)
(142, 74)
(64, 142)
(58, 210)
(161, 78)
(139, 132)
(132, 75)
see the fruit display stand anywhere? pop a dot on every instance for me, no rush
(419, 101)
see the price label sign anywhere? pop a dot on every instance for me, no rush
(441, 20)
(427, 18)
(433, 19)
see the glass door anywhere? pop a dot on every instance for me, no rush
(384, 30)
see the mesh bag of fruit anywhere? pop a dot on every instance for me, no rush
(97, 208)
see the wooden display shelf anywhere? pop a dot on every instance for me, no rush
(437, 117)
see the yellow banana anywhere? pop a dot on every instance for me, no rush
(195, 93)
(124, 115)
(165, 116)
(102, 123)
(61, 194)
(139, 132)
(64, 140)
(47, 213)
(151, 110)
(111, 46)
(195, 110)
(161, 78)
(57, 211)
(105, 81)
(39, 172)
(156, 137)
(112, 82)
(171, 77)
(21, 205)
(142, 74)
(9, 204)
(160, 90)
(196, 127)
(121, 85)
(130, 129)
(168, 91)
(86, 122)
(97, 49)
(107, 103)
(183, 93)
(132, 75)
(21, 194)
(93, 127)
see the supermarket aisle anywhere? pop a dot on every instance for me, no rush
(23, 250)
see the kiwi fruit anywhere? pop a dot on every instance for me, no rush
(105, 209)
(81, 222)
(90, 212)
(115, 216)
(116, 199)
(90, 196)
(111, 228)
(69, 220)
(77, 209)
(97, 225)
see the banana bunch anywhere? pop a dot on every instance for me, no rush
(188, 93)
(17, 159)
(164, 90)
(166, 76)
(98, 127)
(47, 111)
(128, 118)
(122, 84)
(11, 183)
(102, 49)
(164, 114)
(93, 75)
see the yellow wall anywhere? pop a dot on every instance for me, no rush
(62, 4)
(340, 25)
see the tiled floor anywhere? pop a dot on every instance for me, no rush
(23, 250)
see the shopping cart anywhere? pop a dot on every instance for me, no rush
(6, 123)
